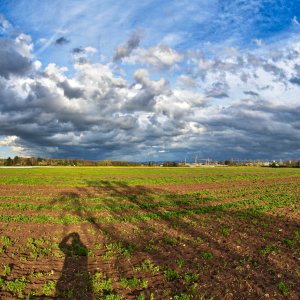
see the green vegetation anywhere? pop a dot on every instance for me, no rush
(269, 249)
(190, 277)
(180, 262)
(16, 287)
(99, 176)
(207, 255)
(225, 230)
(102, 287)
(49, 287)
(6, 241)
(149, 233)
(283, 288)
(6, 270)
(132, 283)
(171, 274)
(147, 265)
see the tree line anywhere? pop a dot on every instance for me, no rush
(38, 161)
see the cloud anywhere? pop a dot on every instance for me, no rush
(83, 55)
(219, 90)
(221, 104)
(82, 51)
(260, 130)
(15, 58)
(258, 42)
(69, 91)
(251, 93)
(295, 80)
(126, 49)
(12, 142)
(160, 57)
(5, 25)
(78, 50)
(61, 41)
(295, 21)
(8, 141)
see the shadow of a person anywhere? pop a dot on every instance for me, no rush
(74, 282)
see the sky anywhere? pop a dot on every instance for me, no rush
(150, 80)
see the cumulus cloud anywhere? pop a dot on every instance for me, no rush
(160, 57)
(228, 104)
(126, 49)
(15, 56)
(12, 142)
(7, 141)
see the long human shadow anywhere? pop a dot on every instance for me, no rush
(69, 284)
(75, 280)
(137, 195)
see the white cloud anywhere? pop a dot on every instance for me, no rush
(160, 57)
(295, 21)
(8, 140)
(173, 39)
(124, 50)
(12, 143)
(258, 42)
(5, 25)
(233, 101)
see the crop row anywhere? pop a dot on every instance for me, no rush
(135, 203)
(222, 193)
(268, 204)
(76, 178)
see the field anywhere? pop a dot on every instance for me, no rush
(150, 233)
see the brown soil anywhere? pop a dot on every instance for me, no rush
(232, 257)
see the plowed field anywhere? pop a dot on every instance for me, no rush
(149, 233)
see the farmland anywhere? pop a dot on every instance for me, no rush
(150, 233)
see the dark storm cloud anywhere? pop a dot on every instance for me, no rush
(61, 41)
(12, 60)
(252, 130)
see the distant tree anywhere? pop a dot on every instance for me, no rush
(16, 160)
(9, 162)
(28, 162)
(170, 164)
(39, 161)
